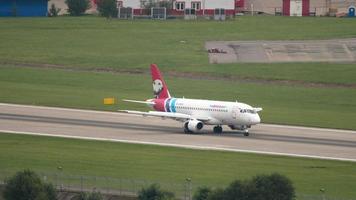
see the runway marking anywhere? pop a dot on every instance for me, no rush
(179, 145)
(123, 114)
(309, 128)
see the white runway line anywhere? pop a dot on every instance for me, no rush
(179, 145)
(309, 128)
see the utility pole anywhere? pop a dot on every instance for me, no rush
(322, 190)
(188, 189)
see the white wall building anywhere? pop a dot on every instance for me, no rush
(201, 6)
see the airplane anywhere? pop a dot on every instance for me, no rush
(196, 113)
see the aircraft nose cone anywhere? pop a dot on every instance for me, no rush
(256, 119)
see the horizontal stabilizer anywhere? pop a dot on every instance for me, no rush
(143, 102)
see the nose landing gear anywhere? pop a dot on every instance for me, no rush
(246, 133)
(244, 129)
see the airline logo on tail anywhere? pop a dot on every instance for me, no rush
(160, 90)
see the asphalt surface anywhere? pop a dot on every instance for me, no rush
(337, 50)
(264, 138)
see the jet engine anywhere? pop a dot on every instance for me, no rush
(193, 126)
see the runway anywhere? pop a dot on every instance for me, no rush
(98, 125)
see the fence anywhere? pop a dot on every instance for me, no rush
(129, 187)
(106, 185)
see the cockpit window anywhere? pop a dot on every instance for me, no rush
(247, 111)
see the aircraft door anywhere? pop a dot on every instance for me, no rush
(352, 12)
(235, 111)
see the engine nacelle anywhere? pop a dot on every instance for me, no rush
(193, 125)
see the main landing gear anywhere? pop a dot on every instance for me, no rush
(245, 132)
(217, 129)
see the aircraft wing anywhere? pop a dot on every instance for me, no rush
(175, 116)
(143, 102)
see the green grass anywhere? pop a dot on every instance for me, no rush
(96, 42)
(119, 160)
(322, 107)
(92, 42)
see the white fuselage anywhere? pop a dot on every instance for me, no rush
(215, 112)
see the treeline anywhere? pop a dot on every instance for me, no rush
(106, 8)
(261, 187)
(27, 185)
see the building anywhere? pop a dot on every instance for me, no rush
(296, 7)
(282, 7)
(300, 7)
(202, 7)
(23, 8)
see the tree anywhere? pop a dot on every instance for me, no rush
(53, 11)
(261, 187)
(107, 8)
(27, 185)
(274, 187)
(218, 194)
(50, 191)
(154, 192)
(95, 196)
(168, 4)
(88, 196)
(77, 7)
(202, 193)
(236, 190)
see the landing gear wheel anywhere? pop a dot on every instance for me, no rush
(186, 131)
(246, 133)
(217, 129)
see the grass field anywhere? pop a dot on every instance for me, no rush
(95, 44)
(119, 160)
(282, 104)
(86, 45)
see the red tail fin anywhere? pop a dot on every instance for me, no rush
(160, 89)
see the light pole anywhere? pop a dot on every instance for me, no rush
(188, 188)
(60, 168)
(322, 190)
